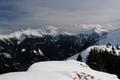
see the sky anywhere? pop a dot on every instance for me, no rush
(66, 14)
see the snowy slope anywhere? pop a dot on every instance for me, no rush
(36, 76)
(69, 65)
(59, 70)
(113, 38)
(85, 53)
(74, 57)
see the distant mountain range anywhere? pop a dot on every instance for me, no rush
(20, 49)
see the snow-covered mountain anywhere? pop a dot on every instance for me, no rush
(90, 29)
(85, 53)
(101, 57)
(49, 41)
(90, 36)
(112, 38)
(96, 31)
(20, 49)
(47, 30)
(59, 70)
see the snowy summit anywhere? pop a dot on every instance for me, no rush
(113, 38)
(59, 70)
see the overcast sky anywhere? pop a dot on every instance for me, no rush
(21, 13)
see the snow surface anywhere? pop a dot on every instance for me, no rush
(58, 66)
(85, 53)
(36, 76)
(72, 68)
(113, 38)
(74, 57)
(59, 70)
(40, 52)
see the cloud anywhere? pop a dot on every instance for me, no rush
(58, 12)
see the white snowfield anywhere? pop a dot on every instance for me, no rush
(59, 70)
(69, 65)
(85, 53)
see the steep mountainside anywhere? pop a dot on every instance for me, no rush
(103, 58)
(112, 38)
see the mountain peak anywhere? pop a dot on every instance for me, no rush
(94, 28)
(47, 30)
(50, 30)
(112, 38)
(97, 29)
